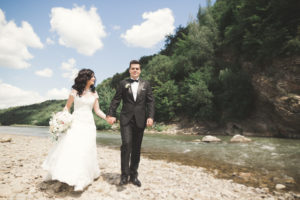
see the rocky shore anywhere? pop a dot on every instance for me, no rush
(21, 177)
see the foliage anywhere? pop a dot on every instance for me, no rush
(106, 94)
(36, 114)
(259, 30)
(166, 100)
(164, 90)
(171, 40)
(101, 124)
(197, 99)
(197, 47)
(159, 69)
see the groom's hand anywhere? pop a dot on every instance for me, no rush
(149, 122)
(110, 120)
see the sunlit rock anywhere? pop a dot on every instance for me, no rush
(240, 138)
(279, 187)
(210, 138)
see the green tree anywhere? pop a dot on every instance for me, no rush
(166, 100)
(165, 91)
(259, 30)
(196, 97)
(171, 40)
(197, 47)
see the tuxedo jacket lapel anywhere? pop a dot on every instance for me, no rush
(130, 94)
(140, 87)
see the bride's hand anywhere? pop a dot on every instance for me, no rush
(110, 120)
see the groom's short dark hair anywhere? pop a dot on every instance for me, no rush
(134, 62)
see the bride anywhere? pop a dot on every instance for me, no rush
(73, 160)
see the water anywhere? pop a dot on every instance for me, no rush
(269, 160)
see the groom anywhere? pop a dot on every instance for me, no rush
(136, 113)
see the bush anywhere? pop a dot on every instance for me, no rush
(197, 99)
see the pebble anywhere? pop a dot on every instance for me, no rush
(280, 187)
(5, 139)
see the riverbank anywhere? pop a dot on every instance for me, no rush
(21, 177)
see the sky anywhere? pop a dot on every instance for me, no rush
(44, 43)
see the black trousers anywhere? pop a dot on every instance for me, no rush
(132, 137)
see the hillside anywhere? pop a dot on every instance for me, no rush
(35, 114)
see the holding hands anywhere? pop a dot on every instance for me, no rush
(111, 120)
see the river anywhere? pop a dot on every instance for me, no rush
(264, 162)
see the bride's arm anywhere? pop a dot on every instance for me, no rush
(98, 111)
(70, 101)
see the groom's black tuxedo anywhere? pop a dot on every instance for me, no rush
(141, 109)
(133, 118)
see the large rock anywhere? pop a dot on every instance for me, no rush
(210, 138)
(240, 138)
(277, 88)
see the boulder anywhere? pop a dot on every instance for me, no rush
(5, 139)
(278, 96)
(240, 138)
(209, 138)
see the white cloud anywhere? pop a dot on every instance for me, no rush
(78, 28)
(45, 72)
(158, 24)
(14, 43)
(49, 41)
(58, 93)
(116, 27)
(13, 96)
(70, 70)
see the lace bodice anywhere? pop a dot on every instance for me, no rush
(84, 102)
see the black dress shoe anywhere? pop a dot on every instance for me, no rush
(135, 181)
(124, 180)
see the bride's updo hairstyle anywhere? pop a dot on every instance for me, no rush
(83, 76)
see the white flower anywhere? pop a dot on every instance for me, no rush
(127, 85)
(59, 123)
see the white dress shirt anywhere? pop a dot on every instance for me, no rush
(134, 89)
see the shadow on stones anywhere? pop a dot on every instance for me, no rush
(113, 179)
(58, 189)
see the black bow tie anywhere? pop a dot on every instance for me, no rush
(132, 81)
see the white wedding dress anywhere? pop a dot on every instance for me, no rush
(73, 160)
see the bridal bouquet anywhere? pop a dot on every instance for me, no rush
(59, 123)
